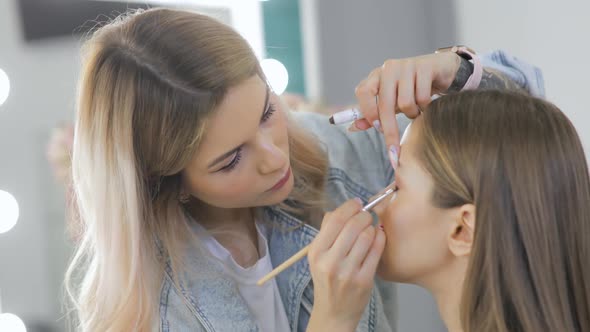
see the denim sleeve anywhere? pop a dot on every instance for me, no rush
(522, 73)
(362, 156)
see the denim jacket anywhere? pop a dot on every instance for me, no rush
(358, 167)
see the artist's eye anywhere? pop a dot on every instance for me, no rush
(233, 163)
(269, 112)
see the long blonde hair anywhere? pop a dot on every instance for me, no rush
(149, 82)
(521, 162)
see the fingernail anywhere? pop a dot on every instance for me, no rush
(353, 127)
(360, 201)
(377, 125)
(394, 156)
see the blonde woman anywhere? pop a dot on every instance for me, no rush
(192, 180)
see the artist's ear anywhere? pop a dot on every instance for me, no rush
(462, 230)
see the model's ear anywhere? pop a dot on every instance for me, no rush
(462, 230)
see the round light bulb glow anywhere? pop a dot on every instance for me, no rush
(4, 86)
(11, 323)
(8, 212)
(276, 73)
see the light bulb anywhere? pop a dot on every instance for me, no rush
(276, 73)
(11, 323)
(4, 86)
(8, 212)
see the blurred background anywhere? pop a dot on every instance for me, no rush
(320, 50)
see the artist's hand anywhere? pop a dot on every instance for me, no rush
(343, 259)
(402, 86)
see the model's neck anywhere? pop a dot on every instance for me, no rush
(447, 288)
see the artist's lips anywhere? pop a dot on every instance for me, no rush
(282, 181)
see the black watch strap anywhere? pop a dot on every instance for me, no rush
(465, 70)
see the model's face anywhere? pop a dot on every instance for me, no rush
(416, 230)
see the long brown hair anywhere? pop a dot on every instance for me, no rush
(519, 160)
(149, 82)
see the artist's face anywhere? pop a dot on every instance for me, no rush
(243, 160)
(415, 229)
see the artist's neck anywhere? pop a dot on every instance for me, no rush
(234, 229)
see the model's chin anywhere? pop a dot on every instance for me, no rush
(382, 271)
(385, 272)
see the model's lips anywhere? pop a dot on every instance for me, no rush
(282, 181)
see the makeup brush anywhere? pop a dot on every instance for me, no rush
(303, 252)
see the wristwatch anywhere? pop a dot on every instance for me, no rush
(469, 55)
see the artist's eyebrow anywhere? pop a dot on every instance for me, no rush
(266, 99)
(223, 157)
(232, 151)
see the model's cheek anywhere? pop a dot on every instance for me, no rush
(395, 218)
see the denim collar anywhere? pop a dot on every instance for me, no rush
(211, 293)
